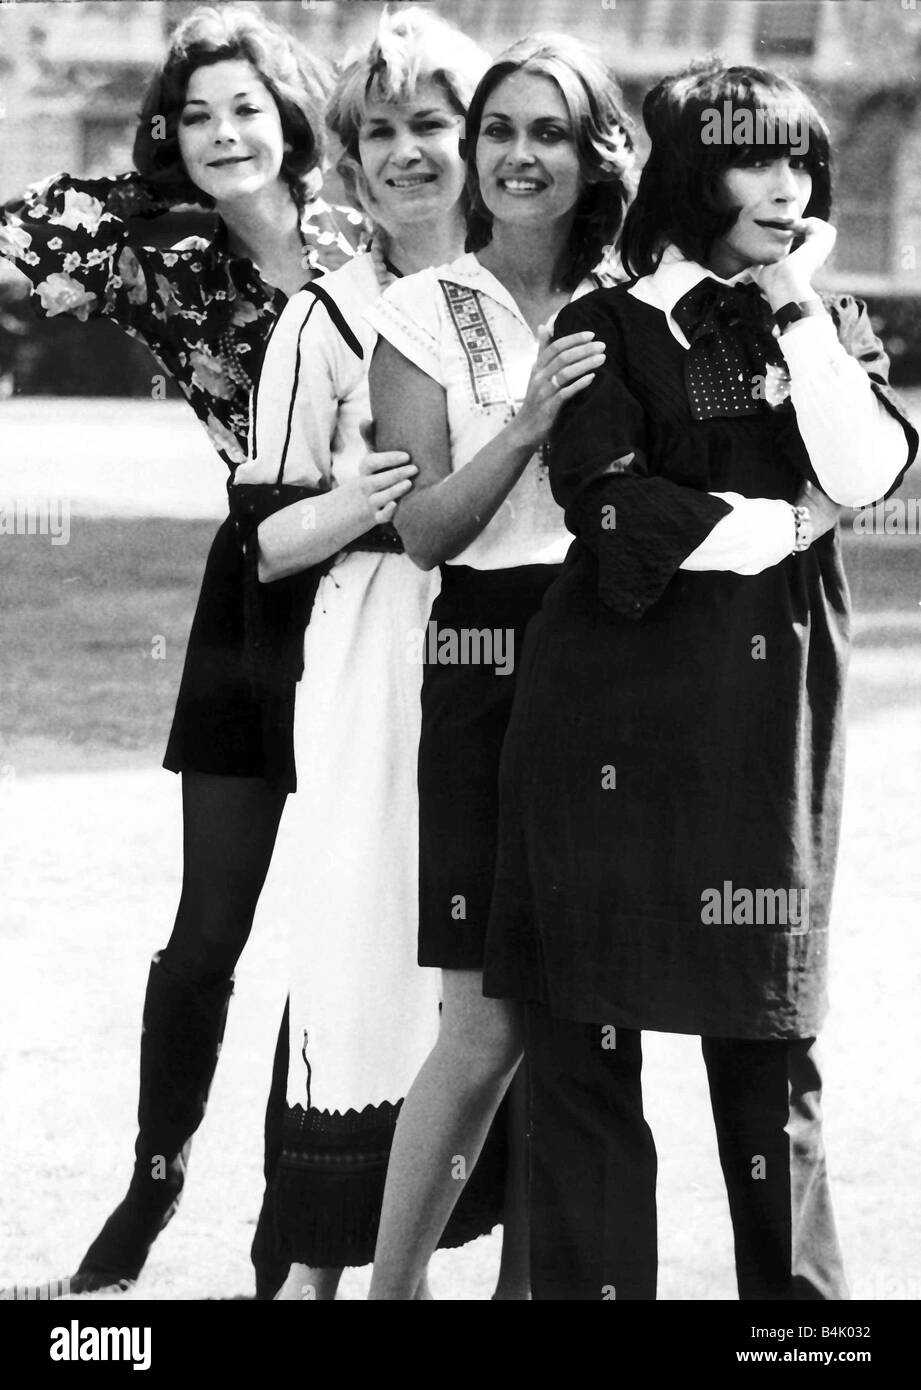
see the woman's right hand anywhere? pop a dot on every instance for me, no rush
(383, 478)
(824, 512)
(564, 366)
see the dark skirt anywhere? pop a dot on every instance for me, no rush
(328, 1187)
(473, 643)
(217, 726)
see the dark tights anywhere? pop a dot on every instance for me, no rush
(229, 825)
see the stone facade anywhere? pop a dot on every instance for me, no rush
(71, 75)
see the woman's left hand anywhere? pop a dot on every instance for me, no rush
(822, 509)
(790, 279)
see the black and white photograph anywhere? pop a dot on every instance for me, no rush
(460, 713)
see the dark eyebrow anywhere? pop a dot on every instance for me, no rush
(199, 101)
(538, 120)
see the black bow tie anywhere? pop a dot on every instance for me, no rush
(730, 331)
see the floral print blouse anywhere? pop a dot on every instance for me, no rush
(204, 313)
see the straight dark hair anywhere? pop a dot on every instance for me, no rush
(603, 140)
(681, 198)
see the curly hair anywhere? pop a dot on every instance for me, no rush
(409, 48)
(603, 138)
(681, 198)
(299, 84)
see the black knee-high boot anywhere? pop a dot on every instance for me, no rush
(270, 1262)
(181, 1038)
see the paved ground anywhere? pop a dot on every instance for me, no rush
(91, 880)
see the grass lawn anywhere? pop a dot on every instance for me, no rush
(94, 632)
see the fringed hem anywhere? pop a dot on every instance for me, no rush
(328, 1188)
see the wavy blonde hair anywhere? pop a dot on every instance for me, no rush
(410, 47)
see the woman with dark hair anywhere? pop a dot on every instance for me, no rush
(671, 779)
(233, 121)
(465, 378)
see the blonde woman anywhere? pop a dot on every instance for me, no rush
(362, 1014)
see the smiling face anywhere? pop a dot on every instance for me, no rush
(771, 195)
(230, 134)
(410, 158)
(526, 160)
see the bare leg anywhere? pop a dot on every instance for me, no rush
(514, 1284)
(307, 1285)
(441, 1129)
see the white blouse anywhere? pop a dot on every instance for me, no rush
(311, 402)
(483, 359)
(855, 446)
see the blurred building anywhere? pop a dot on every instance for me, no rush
(72, 75)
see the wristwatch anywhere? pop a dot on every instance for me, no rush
(802, 518)
(792, 312)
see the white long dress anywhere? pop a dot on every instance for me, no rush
(363, 1014)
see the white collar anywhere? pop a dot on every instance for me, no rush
(468, 270)
(674, 276)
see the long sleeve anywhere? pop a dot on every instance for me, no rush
(295, 406)
(71, 238)
(757, 533)
(639, 527)
(857, 436)
(312, 391)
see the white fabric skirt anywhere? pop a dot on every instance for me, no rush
(364, 1015)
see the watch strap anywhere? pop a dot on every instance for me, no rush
(792, 312)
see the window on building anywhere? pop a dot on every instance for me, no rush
(712, 22)
(787, 29)
(865, 192)
(700, 24)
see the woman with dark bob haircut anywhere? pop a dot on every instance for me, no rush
(671, 777)
(680, 195)
(232, 121)
(465, 378)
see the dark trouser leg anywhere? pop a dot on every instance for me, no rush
(593, 1163)
(229, 829)
(270, 1263)
(766, 1099)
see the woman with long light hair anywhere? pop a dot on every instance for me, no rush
(466, 379)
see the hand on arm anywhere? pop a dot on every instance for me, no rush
(311, 379)
(822, 509)
(446, 511)
(305, 534)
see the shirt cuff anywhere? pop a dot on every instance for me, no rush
(856, 447)
(808, 339)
